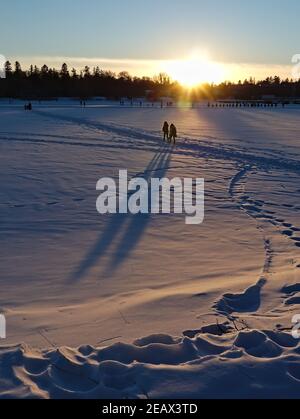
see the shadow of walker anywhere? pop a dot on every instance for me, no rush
(136, 225)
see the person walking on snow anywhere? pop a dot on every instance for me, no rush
(166, 131)
(173, 133)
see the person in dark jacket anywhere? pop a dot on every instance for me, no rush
(166, 131)
(173, 133)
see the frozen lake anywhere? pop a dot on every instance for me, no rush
(70, 276)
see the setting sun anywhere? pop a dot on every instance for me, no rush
(195, 70)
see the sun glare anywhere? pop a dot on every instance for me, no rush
(195, 70)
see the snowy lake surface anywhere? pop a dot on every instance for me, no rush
(71, 277)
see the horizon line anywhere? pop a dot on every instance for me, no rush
(141, 67)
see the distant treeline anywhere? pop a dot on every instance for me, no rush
(47, 83)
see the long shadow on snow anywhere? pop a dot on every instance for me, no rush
(134, 232)
(138, 223)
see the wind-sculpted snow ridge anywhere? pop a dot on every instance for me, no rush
(219, 364)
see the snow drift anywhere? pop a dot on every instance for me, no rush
(249, 364)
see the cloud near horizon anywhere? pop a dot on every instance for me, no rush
(151, 67)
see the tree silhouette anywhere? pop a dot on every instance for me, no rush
(45, 82)
(8, 69)
(64, 72)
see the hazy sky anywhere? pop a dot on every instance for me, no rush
(264, 33)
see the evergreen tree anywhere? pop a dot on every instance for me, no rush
(18, 68)
(74, 73)
(87, 71)
(64, 71)
(8, 69)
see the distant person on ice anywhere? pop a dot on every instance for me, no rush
(173, 133)
(28, 107)
(166, 131)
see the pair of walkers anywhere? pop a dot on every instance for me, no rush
(170, 132)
